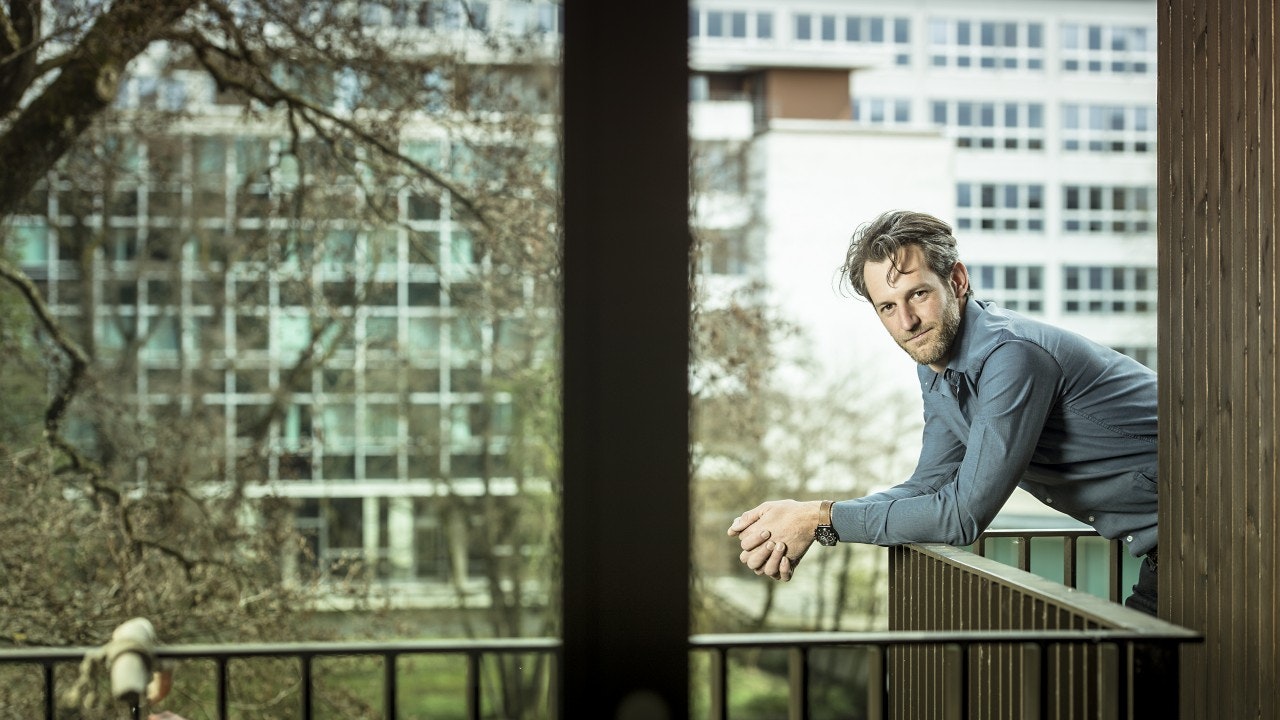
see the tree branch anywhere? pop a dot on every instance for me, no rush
(234, 71)
(18, 28)
(46, 128)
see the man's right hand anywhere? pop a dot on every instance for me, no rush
(775, 535)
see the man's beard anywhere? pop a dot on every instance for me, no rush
(944, 334)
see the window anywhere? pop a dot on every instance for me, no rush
(1108, 128)
(1145, 354)
(30, 241)
(1120, 49)
(1016, 287)
(764, 25)
(1101, 209)
(719, 167)
(803, 26)
(997, 207)
(882, 111)
(991, 125)
(986, 45)
(827, 23)
(338, 423)
(715, 24)
(724, 252)
(1099, 289)
(730, 24)
(873, 30)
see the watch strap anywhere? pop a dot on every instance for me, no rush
(825, 532)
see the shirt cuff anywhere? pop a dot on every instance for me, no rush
(849, 518)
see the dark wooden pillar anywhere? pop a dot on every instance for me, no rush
(1219, 509)
(626, 310)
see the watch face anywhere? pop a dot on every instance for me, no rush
(826, 535)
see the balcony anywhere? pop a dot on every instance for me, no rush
(969, 637)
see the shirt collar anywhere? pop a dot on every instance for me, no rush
(967, 343)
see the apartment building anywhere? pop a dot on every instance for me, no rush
(1030, 127)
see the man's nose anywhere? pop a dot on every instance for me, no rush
(907, 319)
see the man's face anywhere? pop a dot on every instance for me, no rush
(919, 309)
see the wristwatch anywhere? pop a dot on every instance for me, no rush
(825, 533)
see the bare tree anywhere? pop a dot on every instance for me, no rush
(760, 436)
(205, 208)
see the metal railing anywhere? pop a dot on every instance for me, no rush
(954, 694)
(938, 588)
(474, 652)
(1070, 553)
(970, 637)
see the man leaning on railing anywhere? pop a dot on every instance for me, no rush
(1008, 401)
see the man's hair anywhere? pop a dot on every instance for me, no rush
(886, 236)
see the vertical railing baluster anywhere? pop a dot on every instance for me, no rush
(49, 693)
(719, 691)
(221, 690)
(306, 686)
(954, 681)
(390, 683)
(553, 692)
(1109, 670)
(1069, 572)
(1030, 686)
(877, 693)
(1024, 553)
(1115, 570)
(798, 667)
(473, 685)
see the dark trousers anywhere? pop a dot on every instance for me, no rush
(1145, 592)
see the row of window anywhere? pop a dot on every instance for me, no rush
(433, 255)
(1085, 289)
(287, 333)
(1012, 125)
(1016, 207)
(391, 539)
(983, 44)
(216, 176)
(517, 18)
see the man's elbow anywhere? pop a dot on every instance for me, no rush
(964, 531)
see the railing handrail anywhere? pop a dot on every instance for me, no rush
(461, 646)
(1102, 611)
(888, 638)
(1076, 532)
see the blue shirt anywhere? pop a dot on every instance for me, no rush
(1023, 403)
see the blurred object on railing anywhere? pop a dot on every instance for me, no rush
(129, 660)
(938, 588)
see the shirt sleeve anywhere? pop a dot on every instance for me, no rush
(958, 487)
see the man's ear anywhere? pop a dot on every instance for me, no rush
(960, 279)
